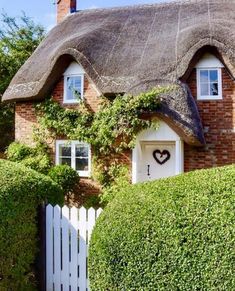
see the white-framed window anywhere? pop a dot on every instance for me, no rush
(209, 78)
(73, 84)
(75, 154)
(73, 88)
(209, 83)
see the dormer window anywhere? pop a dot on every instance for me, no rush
(73, 84)
(209, 80)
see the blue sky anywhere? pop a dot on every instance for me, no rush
(43, 11)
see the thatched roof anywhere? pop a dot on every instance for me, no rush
(124, 47)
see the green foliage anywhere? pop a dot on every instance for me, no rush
(38, 162)
(92, 201)
(35, 158)
(115, 120)
(64, 176)
(6, 124)
(119, 178)
(17, 152)
(62, 121)
(21, 192)
(120, 119)
(171, 234)
(110, 130)
(19, 37)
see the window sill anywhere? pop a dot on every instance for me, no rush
(209, 98)
(71, 102)
(84, 174)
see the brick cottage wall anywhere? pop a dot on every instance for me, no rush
(25, 120)
(92, 98)
(218, 119)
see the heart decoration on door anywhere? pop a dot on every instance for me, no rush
(161, 157)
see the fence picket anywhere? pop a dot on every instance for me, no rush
(91, 222)
(68, 232)
(57, 248)
(82, 249)
(65, 248)
(49, 248)
(74, 249)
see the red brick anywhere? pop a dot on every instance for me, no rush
(218, 117)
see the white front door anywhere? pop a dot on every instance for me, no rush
(158, 160)
(158, 153)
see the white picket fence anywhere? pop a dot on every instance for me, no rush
(68, 232)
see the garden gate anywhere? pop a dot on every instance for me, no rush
(68, 231)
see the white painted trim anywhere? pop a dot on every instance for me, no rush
(179, 157)
(164, 134)
(134, 165)
(209, 61)
(75, 101)
(209, 97)
(73, 144)
(74, 69)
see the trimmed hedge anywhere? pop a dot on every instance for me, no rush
(171, 234)
(34, 158)
(21, 192)
(64, 176)
(16, 151)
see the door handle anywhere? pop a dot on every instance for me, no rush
(148, 170)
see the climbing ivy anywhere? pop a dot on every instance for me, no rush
(110, 131)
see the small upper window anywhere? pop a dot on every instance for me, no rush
(209, 84)
(73, 83)
(73, 89)
(209, 81)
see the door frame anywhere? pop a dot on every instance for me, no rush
(162, 134)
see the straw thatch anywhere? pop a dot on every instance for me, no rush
(127, 47)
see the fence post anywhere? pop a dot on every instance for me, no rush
(42, 246)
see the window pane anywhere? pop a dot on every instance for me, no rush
(65, 161)
(214, 89)
(74, 85)
(77, 82)
(82, 151)
(204, 90)
(213, 76)
(81, 164)
(204, 76)
(65, 151)
(69, 89)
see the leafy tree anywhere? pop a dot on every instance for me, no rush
(19, 37)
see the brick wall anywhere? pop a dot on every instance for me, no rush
(25, 120)
(218, 119)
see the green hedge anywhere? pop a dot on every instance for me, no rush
(172, 234)
(21, 192)
(35, 158)
(64, 176)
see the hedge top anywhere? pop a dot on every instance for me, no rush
(20, 182)
(171, 234)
